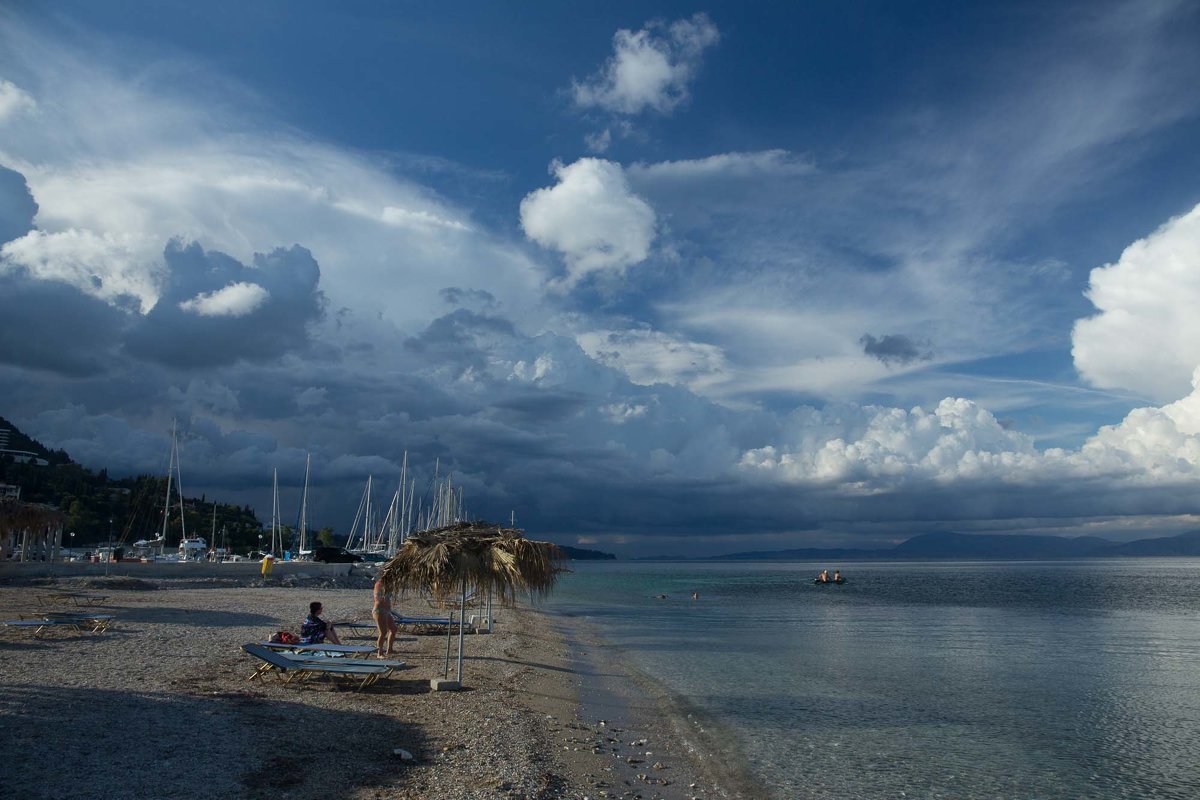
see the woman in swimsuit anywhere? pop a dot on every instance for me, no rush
(382, 612)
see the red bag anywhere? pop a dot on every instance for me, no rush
(287, 637)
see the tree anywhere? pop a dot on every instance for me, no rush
(325, 536)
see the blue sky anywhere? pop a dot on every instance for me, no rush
(658, 277)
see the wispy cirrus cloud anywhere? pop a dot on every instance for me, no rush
(14, 100)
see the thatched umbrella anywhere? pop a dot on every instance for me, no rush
(18, 517)
(472, 556)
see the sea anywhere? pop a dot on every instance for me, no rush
(1064, 679)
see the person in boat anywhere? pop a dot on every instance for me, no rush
(824, 576)
(384, 622)
(837, 576)
(316, 630)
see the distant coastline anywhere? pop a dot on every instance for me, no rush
(981, 547)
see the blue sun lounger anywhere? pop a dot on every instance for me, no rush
(344, 649)
(289, 670)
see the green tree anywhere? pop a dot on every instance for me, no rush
(325, 536)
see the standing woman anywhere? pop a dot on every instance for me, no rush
(382, 612)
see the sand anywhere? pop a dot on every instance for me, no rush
(160, 707)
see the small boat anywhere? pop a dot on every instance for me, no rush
(830, 582)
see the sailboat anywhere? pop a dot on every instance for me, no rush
(190, 548)
(305, 549)
(276, 531)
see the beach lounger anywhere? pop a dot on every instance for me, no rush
(357, 629)
(93, 623)
(78, 598)
(96, 623)
(334, 658)
(400, 620)
(290, 671)
(344, 649)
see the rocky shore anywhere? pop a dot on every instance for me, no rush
(160, 706)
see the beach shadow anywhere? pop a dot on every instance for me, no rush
(195, 618)
(237, 742)
(524, 663)
(30, 644)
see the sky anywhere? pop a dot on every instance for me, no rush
(653, 278)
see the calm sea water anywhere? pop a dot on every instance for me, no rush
(955, 680)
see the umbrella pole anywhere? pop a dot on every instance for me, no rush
(449, 633)
(462, 610)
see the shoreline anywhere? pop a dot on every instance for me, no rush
(160, 706)
(669, 728)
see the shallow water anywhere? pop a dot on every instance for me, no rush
(956, 680)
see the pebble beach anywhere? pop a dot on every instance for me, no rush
(160, 705)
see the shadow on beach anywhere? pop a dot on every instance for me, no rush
(88, 743)
(199, 617)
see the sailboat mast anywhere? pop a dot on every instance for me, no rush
(274, 507)
(162, 544)
(304, 506)
(179, 489)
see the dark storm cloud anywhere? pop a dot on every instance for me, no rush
(479, 298)
(50, 326)
(461, 331)
(185, 338)
(894, 348)
(17, 206)
(542, 406)
(460, 340)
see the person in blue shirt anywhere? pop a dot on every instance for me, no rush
(316, 630)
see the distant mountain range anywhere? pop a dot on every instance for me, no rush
(1017, 547)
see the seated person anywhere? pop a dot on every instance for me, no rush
(824, 576)
(837, 576)
(316, 630)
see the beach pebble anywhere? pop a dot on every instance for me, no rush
(404, 754)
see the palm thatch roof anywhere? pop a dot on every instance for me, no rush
(481, 556)
(16, 515)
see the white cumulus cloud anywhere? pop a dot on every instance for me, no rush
(108, 265)
(1147, 335)
(592, 217)
(235, 300)
(650, 68)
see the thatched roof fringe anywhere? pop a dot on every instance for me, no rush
(16, 515)
(483, 556)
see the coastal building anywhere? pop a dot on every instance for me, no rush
(19, 456)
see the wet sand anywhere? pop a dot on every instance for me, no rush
(159, 707)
